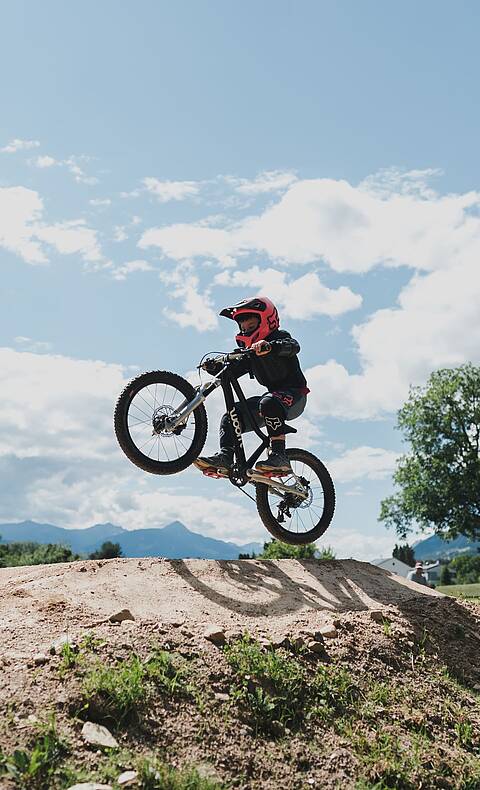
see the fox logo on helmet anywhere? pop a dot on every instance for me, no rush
(273, 321)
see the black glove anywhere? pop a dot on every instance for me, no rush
(212, 366)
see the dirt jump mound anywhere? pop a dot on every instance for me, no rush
(251, 674)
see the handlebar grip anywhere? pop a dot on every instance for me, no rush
(237, 354)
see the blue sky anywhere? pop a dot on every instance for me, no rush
(160, 160)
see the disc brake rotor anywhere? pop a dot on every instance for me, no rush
(159, 419)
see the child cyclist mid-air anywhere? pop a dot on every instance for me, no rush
(276, 367)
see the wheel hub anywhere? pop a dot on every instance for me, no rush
(160, 417)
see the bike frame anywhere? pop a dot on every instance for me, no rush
(230, 384)
(243, 471)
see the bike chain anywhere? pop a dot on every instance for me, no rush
(247, 494)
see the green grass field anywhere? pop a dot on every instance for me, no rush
(470, 591)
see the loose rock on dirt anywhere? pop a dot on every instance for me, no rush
(98, 735)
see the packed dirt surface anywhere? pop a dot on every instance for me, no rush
(264, 597)
(376, 679)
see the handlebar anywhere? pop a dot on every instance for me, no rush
(242, 352)
(224, 359)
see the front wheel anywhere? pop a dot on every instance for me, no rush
(292, 519)
(139, 423)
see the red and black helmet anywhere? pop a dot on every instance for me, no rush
(260, 306)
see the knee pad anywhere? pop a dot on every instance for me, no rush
(273, 413)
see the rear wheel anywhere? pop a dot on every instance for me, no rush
(139, 422)
(292, 519)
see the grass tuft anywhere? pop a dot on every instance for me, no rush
(154, 775)
(279, 692)
(34, 768)
(116, 695)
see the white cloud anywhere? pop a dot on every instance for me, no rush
(357, 544)
(352, 228)
(19, 145)
(301, 298)
(371, 463)
(336, 393)
(392, 219)
(165, 191)
(23, 232)
(392, 180)
(36, 346)
(214, 515)
(435, 325)
(60, 461)
(310, 434)
(71, 237)
(69, 415)
(100, 202)
(122, 272)
(197, 308)
(183, 241)
(72, 164)
(119, 233)
(20, 211)
(268, 181)
(45, 161)
(79, 495)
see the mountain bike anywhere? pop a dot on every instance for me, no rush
(161, 425)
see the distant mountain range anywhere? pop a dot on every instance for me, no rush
(173, 541)
(434, 548)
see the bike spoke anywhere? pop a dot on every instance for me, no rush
(158, 399)
(150, 438)
(141, 422)
(166, 453)
(147, 404)
(148, 416)
(305, 516)
(185, 448)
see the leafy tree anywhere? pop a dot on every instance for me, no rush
(446, 575)
(29, 553)
(439, 480)
(276, 550)
(467, 567)
(107, 551)
(405, 554)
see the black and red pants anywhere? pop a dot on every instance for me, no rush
(271, 410)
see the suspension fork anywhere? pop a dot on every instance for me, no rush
(187, 407)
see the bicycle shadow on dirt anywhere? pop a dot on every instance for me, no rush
(438, 625)
(322, 586)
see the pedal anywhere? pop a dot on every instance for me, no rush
(271, 473)
(211, 472)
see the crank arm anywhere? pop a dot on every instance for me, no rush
(257, 477)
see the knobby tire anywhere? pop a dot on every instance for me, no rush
(270, 521)
(122, 433)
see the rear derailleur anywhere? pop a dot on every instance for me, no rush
(284, 508)
(289, 502)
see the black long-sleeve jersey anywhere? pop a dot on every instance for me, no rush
(279, 369)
